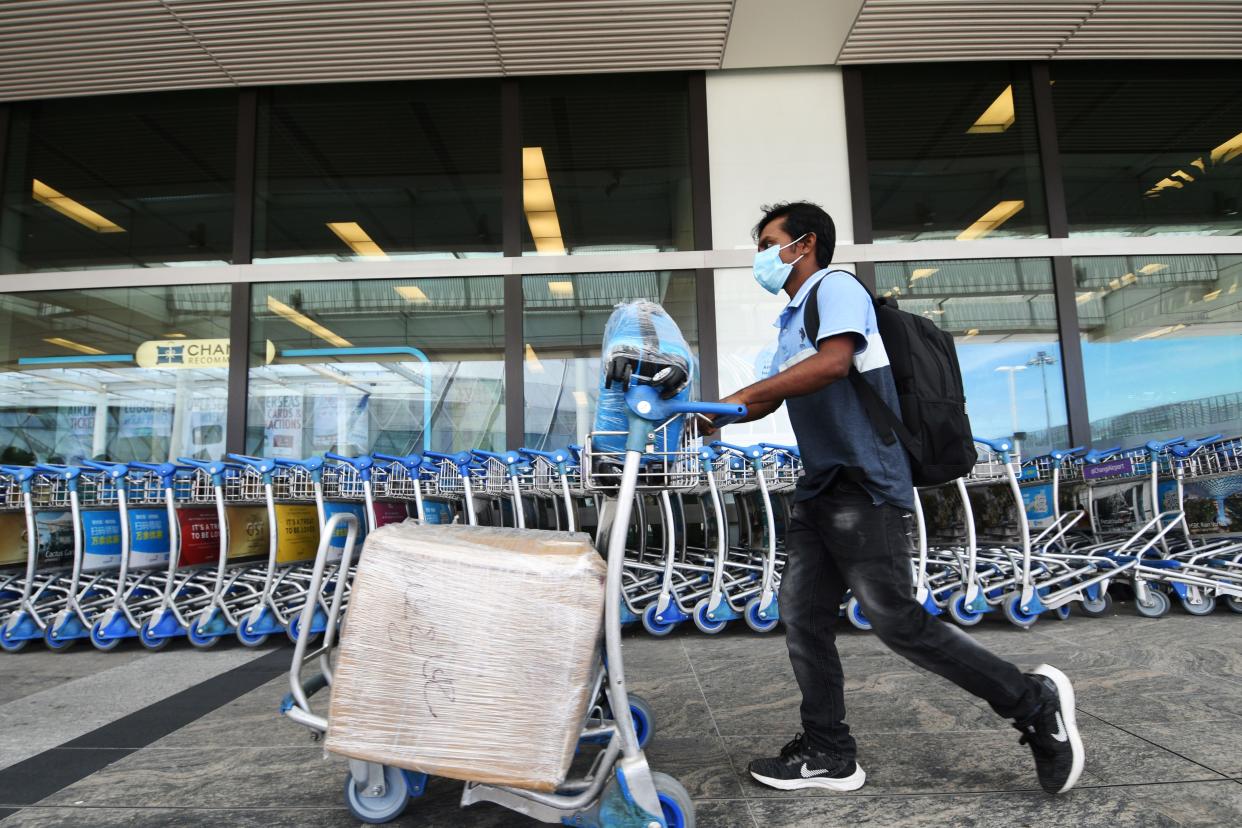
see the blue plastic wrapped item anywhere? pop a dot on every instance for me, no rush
(642, 344)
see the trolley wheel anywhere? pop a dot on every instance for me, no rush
(1062, 613)
(675, 802)
(1156, 606)
(250, 639)
(759, 625)
(854, 612)
(58, 645)
(644, 719)
(202, 641)
(960, 613)
(1206, 606)
(656, 628)
(13, 645)
(379, 809)
(151, 642)
(1234, 603)
(1098, 607)
(295, 628)
(1015, 614)
(100, 641)
(704, 623)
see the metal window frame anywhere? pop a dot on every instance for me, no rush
(860, 181)
(243, 244)
(701, 207)
(514, 329)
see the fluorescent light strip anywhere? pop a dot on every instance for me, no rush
(538, 204)
(581, 399)
(991, 220)
(306, 323)
(356, 238)
(923, 273)
(561, 289)
(1159, 332)
(73, 346)
(998, 117)
(413, 293)
(69, 208)
(532, 360)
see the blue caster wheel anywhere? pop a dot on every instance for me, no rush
(1156, 605)
(57, 644)
(644, 719)
(675, 802)
(379, 809)
(656, 628)
(757, 622)
(13, 645)
(101, 641)
(152, 642)
(295, 628)
(854, 612)
(960, 613)
(1062, 613)
(1015, 614)
(1097, 607)
(704, 623)
(200, 640)
(1206, 605)
(251, 639)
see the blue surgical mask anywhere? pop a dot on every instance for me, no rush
(770, 272)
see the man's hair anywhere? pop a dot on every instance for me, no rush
(803, 217)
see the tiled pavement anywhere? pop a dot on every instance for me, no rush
(1160, 705)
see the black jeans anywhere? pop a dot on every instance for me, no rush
(841, 539)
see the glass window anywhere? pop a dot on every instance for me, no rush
(119, 374)
(1150, 148)
(1161, 345)
(564, 320)
(952, 152)
(396, 170)
(1003, 319)
(120, 181)
(387, 365)
(606, 164)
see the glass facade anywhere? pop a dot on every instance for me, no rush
(563, 327)
(390, 170)
(952, 152)
(1003, 318)
(387, 365)
(1161, 345)
(1150, 148)
(119, 181)
(606, 164)
(119, 374)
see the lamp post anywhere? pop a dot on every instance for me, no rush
(1013, 394)
(1043, 359)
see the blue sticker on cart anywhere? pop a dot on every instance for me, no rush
(1038, 503)
(148, 537)
(355, 509)
(438, 512)
(101, 540)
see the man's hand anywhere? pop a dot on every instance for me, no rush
(754, 411)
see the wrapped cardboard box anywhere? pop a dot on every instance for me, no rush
(469, 652)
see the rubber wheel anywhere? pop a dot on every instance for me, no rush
(1013, 611)
(57, 645)
(250, 639)
(151, 642)
(1098, 608)
(202, 641)
(644, 719)
(676, 803)
(1206, 605)
(1062, 613)
(382, 809)
(704, 623)
(97, 638)
(1234, 603)
(13, 646)
(854, 612)
(1157, 605)
(656, 628)
(295, 629)
(960, 614)
(759, 625)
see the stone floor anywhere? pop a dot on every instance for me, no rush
(189, 738)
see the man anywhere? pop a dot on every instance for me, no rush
(850, 527)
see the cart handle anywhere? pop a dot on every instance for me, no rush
(509, 458)
(409, 461)
(310, 463)
(113, 470)
(361, 463)
(1100, 455)
(753, 452)
(1062, 454)
(263, 465)
(213, 467)
(1191, 446)
(1001, 445)
(166, 471)
(1157, 446)
(64, 472)
(558, 456)
(645, 402)
(794, 450)
(461, 460)
(22, 474)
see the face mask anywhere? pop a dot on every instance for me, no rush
(770, 272)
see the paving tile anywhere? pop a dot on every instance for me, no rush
(1218, 745)
(1143, 694)
(250, 720)
(1193, 804)
(702, 765)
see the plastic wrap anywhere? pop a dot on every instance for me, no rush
(640, 339)
(469, 652)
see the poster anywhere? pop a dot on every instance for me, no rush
(248, 532)
(386, 511)
(148, 538)
(282, 426)
(101, 539)
(144, 421)
(13, 542)
(199, 529)
(1119, 508)
(1037, 500)
(338, 537)
(943, 515)
(297, 535)
(1213, 505)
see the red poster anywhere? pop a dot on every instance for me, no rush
(200, 536)
(388, 512)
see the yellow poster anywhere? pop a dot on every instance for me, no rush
(248, 532)
(12, 538)
(298, 535)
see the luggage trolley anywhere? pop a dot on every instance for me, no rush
(557, 475)
(454, 476)
(20, 621)
(619, 790)
(762, 610)
(502, 475)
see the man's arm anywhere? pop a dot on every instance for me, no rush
(828, 364)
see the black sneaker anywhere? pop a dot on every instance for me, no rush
(1052, 733)
(800, 766)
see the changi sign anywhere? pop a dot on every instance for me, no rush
(188, 353)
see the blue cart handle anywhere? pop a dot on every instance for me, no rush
(409, 461)
(263, 465)
(113, 470)
(310, 463)
(63, 472)
(361, 463)
(753, 452)
(1061, 454)
(1100, 455)
(166, 471)
(1157, 446)
(559, 456)
(214, 467)
(778, 447)
(644, 400)
(22, 474)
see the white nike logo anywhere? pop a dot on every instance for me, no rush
(1059, 735)
(807, 773)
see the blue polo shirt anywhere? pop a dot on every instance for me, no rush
(835, 435)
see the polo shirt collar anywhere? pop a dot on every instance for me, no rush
(800, 296)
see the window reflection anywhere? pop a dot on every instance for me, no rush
(393, 366)
(1161, 346)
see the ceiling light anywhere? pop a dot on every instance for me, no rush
(544, 225)
(561, 290)
(537, 196)
(1182, 174)
(992, 219)
(923, 273)
(356, 238)
(581, 399)
(998, 117)
(69, 208)
(532, 360)
(1211, 297)
(413, 293)
(306, 323)
(71, 345)
(1160, 332)
(174, 336)
(552, 245)
(972, 332)
(533, 165)
(1154, 267)
(1129, 279)
(1198, 162)
(1085, 297)
(1228, 151)
(538, 203)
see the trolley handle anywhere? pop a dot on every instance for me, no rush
(361, 463)
(753, 452)
(21, 474)
(1100, 455)
(645, 402)
(64, 472)
(409, 461)
(558, 456)
(310, 463)
(214, 467)
(166, 471)
(113, 470)
(260, 464)
(1189, 447)
(793, 450)
(462, 460)
(1157, 446)
(1002, 445)
(1063, 454)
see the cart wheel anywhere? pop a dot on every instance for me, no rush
(1015, 614)
(854, 612)
(13, 645)
(704, 623)
(1206, 605)
(58, 645)
(151, 642)
(101, 641)
(250, 639)
(1234, 603)
(1157, 604)
(1099, 607)
(676, 803)
(295, 628)
(200, 640)
(656, 628)
(379, 809)
(962, 614)
(759, 625)
(644, 719)
(1062, 613)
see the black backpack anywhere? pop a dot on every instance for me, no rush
(933, 426)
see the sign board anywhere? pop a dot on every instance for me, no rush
(174, 354)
